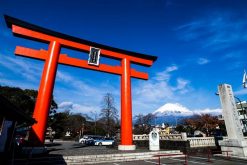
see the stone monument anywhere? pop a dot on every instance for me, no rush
(154, 140)
(235, 142)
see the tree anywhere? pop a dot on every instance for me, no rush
(20, 98)
(75, 124)
(203, 122)
(180, 128)
(139, 119)
(143, 123)
(139, 127)
(95, 118)
(24, 99)
(148, 119)
(109, 114)
(59, 123)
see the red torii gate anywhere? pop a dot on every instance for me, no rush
(52, 58)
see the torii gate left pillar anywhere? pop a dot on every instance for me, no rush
(43, 101)
(53, 57)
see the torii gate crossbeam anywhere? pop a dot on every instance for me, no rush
(52, 58)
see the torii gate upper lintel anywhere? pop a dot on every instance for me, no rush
(52, 58)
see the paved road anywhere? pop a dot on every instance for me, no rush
(179, 161)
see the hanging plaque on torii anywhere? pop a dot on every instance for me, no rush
(52, 58)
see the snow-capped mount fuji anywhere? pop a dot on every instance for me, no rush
(173, 109)
(173, 113)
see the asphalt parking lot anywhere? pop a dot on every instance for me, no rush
(74, 148)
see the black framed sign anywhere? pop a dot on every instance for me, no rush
(94, 56)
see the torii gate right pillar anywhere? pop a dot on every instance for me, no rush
(126, 107)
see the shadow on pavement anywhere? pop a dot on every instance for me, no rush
(54, 149)
(53, 144)
(45, 158)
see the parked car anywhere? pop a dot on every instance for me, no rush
(90, 142)
(104, 142)
(89, 139)
(83, 139)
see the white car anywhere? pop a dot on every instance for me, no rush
(82, 140)
(104, 142)
(85, 138)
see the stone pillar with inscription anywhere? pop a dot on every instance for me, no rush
(235, 143)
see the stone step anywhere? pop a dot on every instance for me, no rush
(93, 159)
(121, 155)
(106, 161)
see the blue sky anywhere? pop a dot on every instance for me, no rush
(199, 45)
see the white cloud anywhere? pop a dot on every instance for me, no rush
(65, 105)
(202, 61)
(182, 86)
(83, 89)
(149, 92)
(30, 71)
(217, 30)
(217, 111)
(63, 77)
(18, 83)
(82, 96)
(148, 95)
(78, 108)
(171, 68)
(165, 75)
(157, 88)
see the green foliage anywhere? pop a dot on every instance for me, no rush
(180, 128)
(24, 99)
(75, 124)
(59, 123)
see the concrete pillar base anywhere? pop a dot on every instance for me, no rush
(126, 147)
(237, 147)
